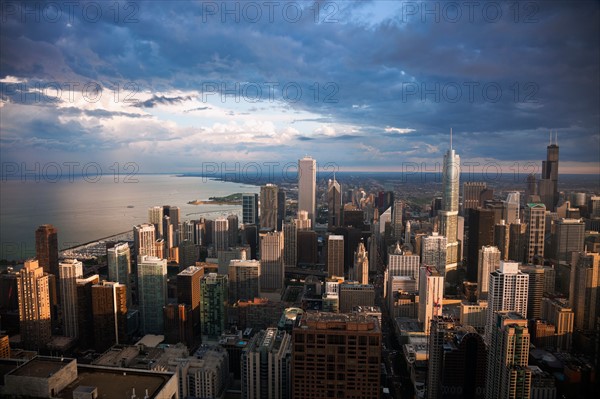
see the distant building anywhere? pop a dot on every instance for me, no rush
(335, 255)
(152, 289)
(431, 295)
(46, 248)
(307, 187)
(271, 262)
(268, 206)
(250, 208)
(69, 271)
(489, 261)
(213, 314)
(244, 280)
(334, 203)
(34, 305)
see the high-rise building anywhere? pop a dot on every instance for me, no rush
(361, 264)
(221, 234)
(508, 291)
(558, 312)
(474, 314)
(290, 246)
(352, 294)
(213, 304)
(109, 312)
(457, 361)
(155, 217)
(118, 259)
(334, 203)
(250, 208)
(266, 366)
(152, 293)
(84, 310)
(472, 194)
(584, 295)
(403, 263)
(268, 206)
(46, 248)
(548, 186)
(205, 375)
(531, 191)
(244, 280)
(69, 271)
(535, 218)
(188, 293)
(271, 262)
(397, 220)
(517, 243)
(537, 282)
(507, 373)
(144, 236)
(568, 237)
(336, 355)
(233, 227)
(307, 187)
(34, 305)
(281, 209)
(335, 255)
(303, 222)
(188, 254)
(489, 261)
(433, 251)
(481, 233)
(431, 295)
(512, 207)
(449, 213)
(502, 238)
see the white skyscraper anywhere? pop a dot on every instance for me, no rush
(307, 186)
(508, 290)
(69, 271)
(403, 264)
(433, 252)
(155, 217)
(489, 261)
(431, 295)
(144, 236)
(221, 234)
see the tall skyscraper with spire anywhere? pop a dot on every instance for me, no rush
(449, 213)
(548, 185)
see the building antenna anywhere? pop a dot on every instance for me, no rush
(550, 137)
(556, 137)
(450, 138)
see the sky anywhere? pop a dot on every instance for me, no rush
(364, 85)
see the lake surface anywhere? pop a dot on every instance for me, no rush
(83, 211)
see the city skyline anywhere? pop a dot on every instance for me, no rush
(379, 96)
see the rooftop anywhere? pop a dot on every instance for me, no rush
(41, 367)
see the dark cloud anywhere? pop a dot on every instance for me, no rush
(155, 100)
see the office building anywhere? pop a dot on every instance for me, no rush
(537, 283)
(188, 293)
(303, 222)
(584, 291)
(84, 310)
(507, 373)
(266, 366)
(205, 375)
(46, 248)
(244, 280)
(250, 208)
(34, 305)
(397, 211)
(307, 186)
(474, 314)
(281, 209)
(431, 295)
(290, 246)
(144, 236)
(69, 271)
(433, 252)
(472, 195)
(448, 215)
(118, 259)
(109, 313)
(489, 261)
(457, 361)
(558, 312)
(512, 207)
(268, 206)
(335, 255)
(188, 253)
(502, 238)
(213, 303)
(535, 219)
(517, 244)
(233, 229)
(361, 265)
(336, 355)
(568, 237)
(271, 262)
(155, 217)
(352, 294)
(548, 185)
(334, 203)
(152, 293)
(508, 291)
(403, 263)
(221, 234)
(481, 233)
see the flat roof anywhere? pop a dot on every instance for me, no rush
(41, 367)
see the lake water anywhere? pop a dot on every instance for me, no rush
(83, 211)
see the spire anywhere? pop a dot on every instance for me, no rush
(450, 138)
(556, 137)
(550, 137)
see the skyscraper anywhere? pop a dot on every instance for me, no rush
(271, 262)
(535, 218)
(472, 195)
(266, 366)
(221, 234)
(281, 209)
(334, 203)
(232, 229)
(290, 247)
(244, 280)
(336, 355)
(431, 295)
(84, 310)
(401, 263)
(118, 259)
(517, 241)
(144, 236)
(568, 237)
(433, 251)
(361, 264)
(34, 305)
(155, 217)
(584, 295)
(69, 271)
(449, 213)
(250, 208)
(512, 207)
(268, 206)
(481, 233)
(152, 289)
(489, 261)
(397, 219)
(335, 255)
(548, 186)
(46, 248)
(109, 310)
(508, 291)
(307, 187)
(502, 238)
(507, 373)
(213, 302)
(188, 293)
(535, 290)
